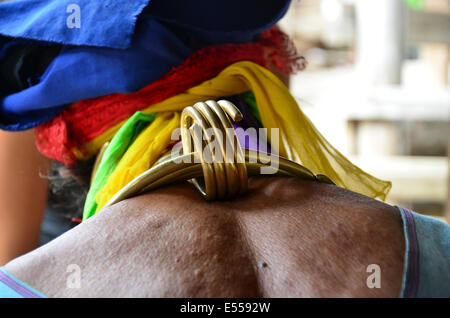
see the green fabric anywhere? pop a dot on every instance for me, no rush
(112, 155)
(249, 99)
(415, 4)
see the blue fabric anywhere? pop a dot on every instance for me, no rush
(429, 238)
(433, 237)
(12, 287)
(105, 23)
(86, 72)
(110, 52)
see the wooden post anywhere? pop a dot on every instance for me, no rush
(448, 183)
(437, 54)
(380, 41)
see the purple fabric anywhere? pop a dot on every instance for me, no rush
(20, 289)
(248, 141)
(412, 275)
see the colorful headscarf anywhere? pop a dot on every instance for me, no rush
(299, 141)
(64, 138)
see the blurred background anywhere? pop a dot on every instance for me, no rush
(377, 87)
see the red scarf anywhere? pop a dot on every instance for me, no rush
(86, 119)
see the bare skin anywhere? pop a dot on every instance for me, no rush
(23, 193)
(285, 238)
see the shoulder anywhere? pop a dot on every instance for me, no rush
(286, 237)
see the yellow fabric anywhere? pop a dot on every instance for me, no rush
(141, 155)
(300, 141)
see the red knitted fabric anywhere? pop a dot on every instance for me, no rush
(84, 120)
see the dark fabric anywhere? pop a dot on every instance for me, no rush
(53, 225)
(23, 65)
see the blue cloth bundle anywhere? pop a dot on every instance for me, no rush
(109, 46)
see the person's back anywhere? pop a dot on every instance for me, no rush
(285, 238)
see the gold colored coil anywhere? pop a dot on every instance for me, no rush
(226, 177)
(201, 125)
